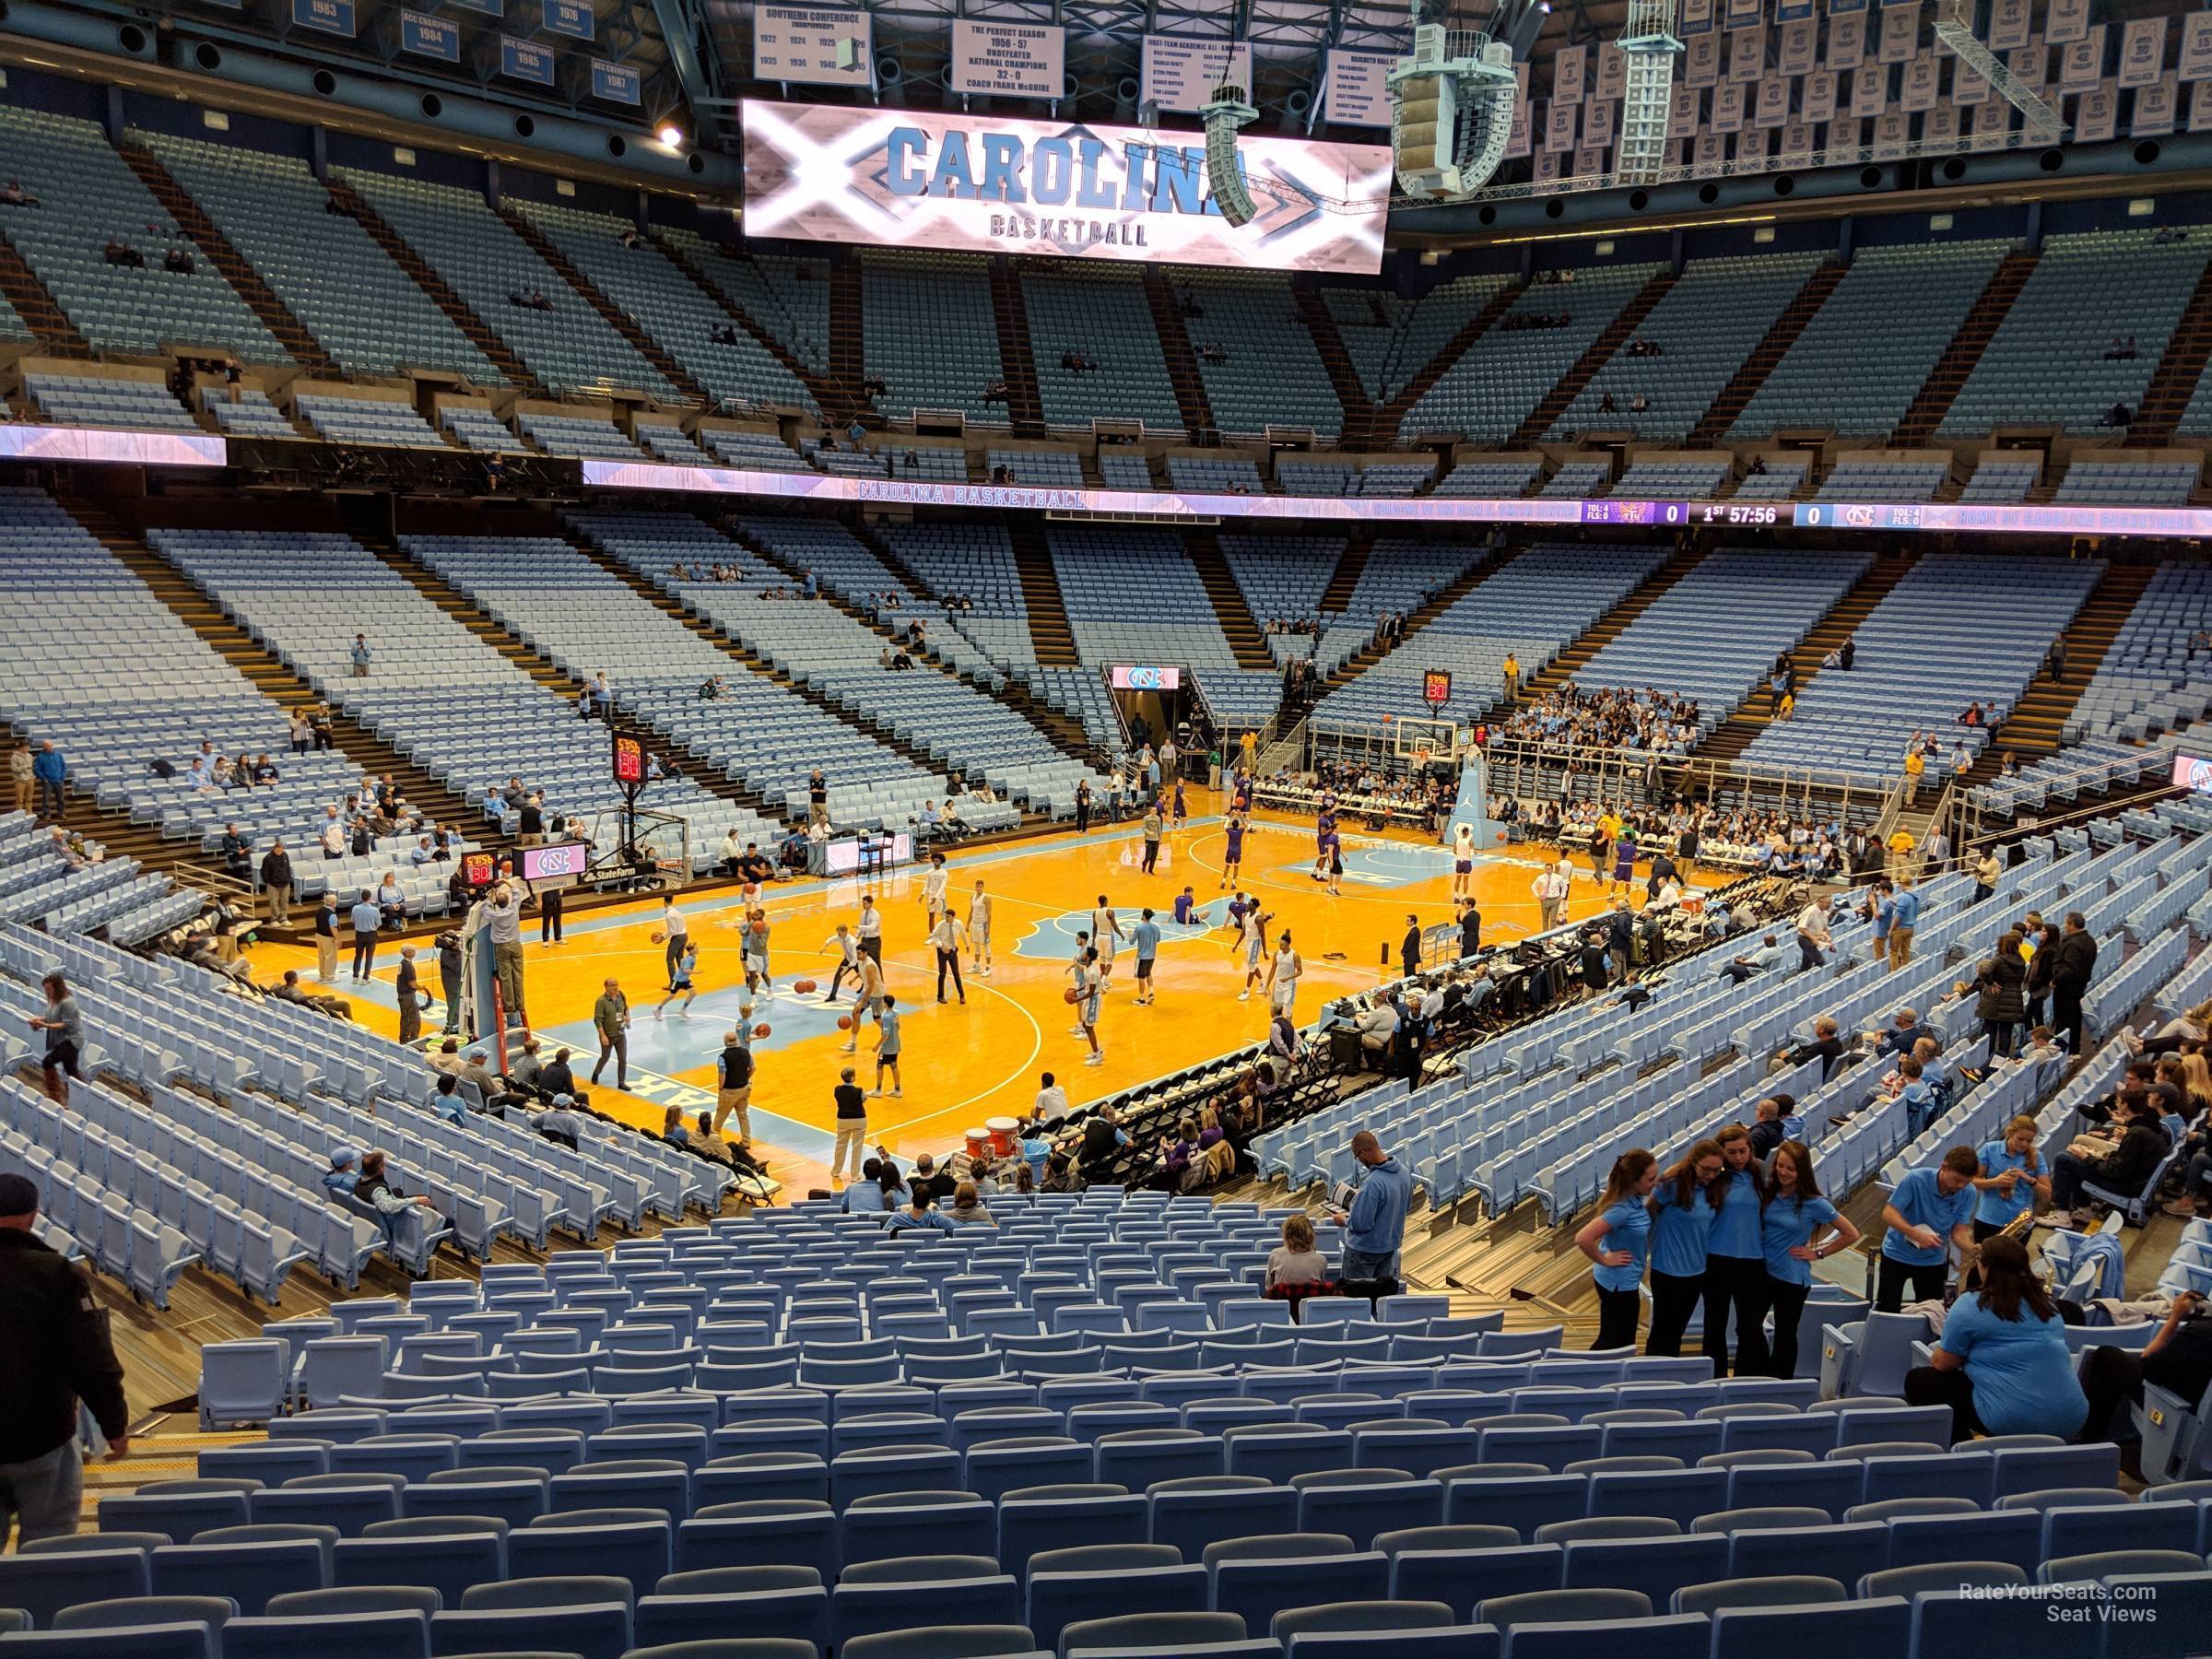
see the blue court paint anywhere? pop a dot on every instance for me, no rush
(1382, 864)
(1053, 939)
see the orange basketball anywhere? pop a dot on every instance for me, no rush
(761, 1030)
(659, 937)
(1071, 996)
(844, 1022)
(752, 890)
(803, 987)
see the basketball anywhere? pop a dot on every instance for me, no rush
(1071, 996)
(803, 987)
(761, 1030)
(752, 890)
(659, 937)
(844, 1022)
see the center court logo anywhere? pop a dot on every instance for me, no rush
(1053, 939)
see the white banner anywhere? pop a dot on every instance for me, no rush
(1968, 87)
(1917, 88)
(2031, 64)
(1562, 127)
(987, 184)
(2200, 107)
(1892, 134)
(1682, 113)
(1569, 73)
(1551, 166)
(1800, 47)
(2097, 113)
(2142, 52)
(2157, 106)
(1591, 162)
(1869, 91)
(1773, 106)
(1358, 95)
(1701, 61)
(2065, 20)
(1601, 121)
(1517, 139)
(2197, 46)
(1612, 71)
(1818, 103)
(821, 45)
(1901, 34)
(1940, 125)
(1181, 73)
(1707, 154)
(1748, 54)
(1797, 140)
(1846, 41)
(1728, 107)
(2009, 24)
(2081, 63)
(1009, 60)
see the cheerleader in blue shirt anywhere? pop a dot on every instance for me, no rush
(1797, 1226)
(1617, 1241)
(1681, 1222)
(1736, 1261)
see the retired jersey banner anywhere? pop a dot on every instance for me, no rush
(922, 178)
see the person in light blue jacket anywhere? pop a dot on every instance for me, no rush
(1375, 1225)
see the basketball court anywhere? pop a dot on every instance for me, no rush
(964, 1064)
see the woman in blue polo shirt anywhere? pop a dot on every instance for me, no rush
(2001, 1364)
(1796, 1227)
(1736, 1262)
(1927, 1214)
(1681, 1222)
(1617, 1241)
(2005, 1185)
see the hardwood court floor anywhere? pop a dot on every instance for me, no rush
(963, 1064)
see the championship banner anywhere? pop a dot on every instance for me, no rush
(824, 45)
(1009, 60)
(1179, 72)
(921, 179)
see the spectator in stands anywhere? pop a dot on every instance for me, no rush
(1375, 1223)
(367, 919)
(177, 261)
(2123, 1168)
(2073, 962)
(19, 768)
(1827, 1047)
(2002, 1364)
(360, 656)
(276, 882)
(1813, 939)
(2178, 1358)
(445, 1099)
(1297, 1261)
(2001, 979)
(13, 194)
(64, 1029)
(968, 1207)
(120, 252)
(50, 771)
(1617, 1241)
(557, 1081)
(1511, 669)
(62, 1365)
(343, 1174)
(1061, 1175)
(1102, 1136)
(376, 1190)
(918, 1216)
(1797, 1227)
(610, 1018)
(1929, 1211)
(1766, 1131)
(1768, 956)
(412, 997)
(392, 901)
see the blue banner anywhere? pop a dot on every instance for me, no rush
(332, 16)
(1792, 11)
(525, 60)
(614, 84)
(490, 8)
(569, 17)
(1845, 6)
(426, 35)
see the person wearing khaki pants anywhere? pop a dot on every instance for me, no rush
(326, 940)
(851, 1126)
